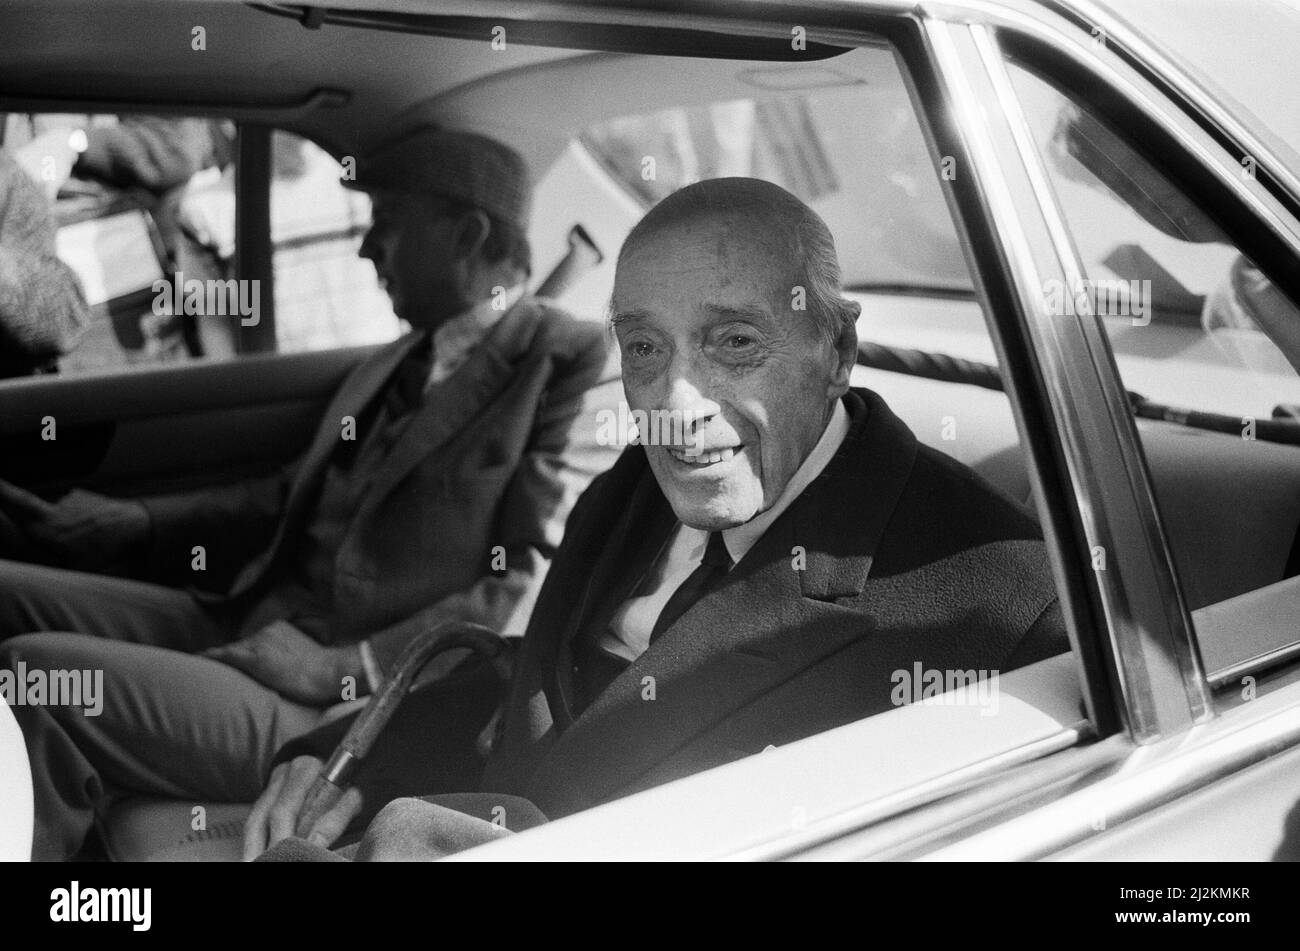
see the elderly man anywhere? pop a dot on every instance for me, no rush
(758, 582)
(434, 489)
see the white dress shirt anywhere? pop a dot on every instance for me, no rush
(629, 630)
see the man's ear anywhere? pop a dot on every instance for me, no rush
(846, 348)
(469, 234)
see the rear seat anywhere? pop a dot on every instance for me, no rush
(1230, 507)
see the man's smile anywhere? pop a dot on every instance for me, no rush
(697, 458)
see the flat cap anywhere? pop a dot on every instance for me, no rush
(465, 166)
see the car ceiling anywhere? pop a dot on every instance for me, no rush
(351, 89)
(120, 51)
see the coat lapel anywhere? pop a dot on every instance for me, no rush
(448, 407)
(759, 630)
(639, 531)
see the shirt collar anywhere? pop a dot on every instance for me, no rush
(743, 537)
(454, 339)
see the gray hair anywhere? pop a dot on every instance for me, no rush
(809, 239)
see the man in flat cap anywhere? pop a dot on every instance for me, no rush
(435, 489)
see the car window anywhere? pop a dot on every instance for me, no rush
(143, 212)
(800, 141)
(1199, 333)
(325, 295)
(113, 186)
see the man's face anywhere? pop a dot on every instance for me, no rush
(706, 329)
(409, 242)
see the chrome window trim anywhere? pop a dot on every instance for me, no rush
(1187, 653)
(1151, 690)
(995, 202)
(1260, 663)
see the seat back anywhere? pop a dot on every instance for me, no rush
(1230, 508)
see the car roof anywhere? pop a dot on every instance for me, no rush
(348, 88)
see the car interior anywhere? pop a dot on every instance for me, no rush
(586, 106)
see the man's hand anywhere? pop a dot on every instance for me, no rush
(285, 659)
(82, 530)
(276, 811)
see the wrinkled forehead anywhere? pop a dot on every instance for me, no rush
(728, 253)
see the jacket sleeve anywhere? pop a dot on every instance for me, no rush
(530, 520)
(42, 308)
(231, 522)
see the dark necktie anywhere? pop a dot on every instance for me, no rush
(712, 569)
(382, 421)
(406, 387)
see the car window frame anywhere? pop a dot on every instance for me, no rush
(1207, 168)
(903, 32)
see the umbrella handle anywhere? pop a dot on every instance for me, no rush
(351, 752)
